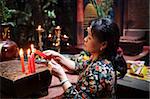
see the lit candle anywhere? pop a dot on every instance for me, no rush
(32, 48)
(29, 61)
(38, 52)
(32, 59)
(22, 59)
(41, 54)
(32, 63)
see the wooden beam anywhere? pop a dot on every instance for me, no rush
(80, 19)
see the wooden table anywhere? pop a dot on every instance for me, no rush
(15, 83)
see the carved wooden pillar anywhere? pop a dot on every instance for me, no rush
(80, 16)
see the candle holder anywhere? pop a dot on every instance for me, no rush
(57, 40)
(40, 30)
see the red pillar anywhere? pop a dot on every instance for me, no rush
(80, 20)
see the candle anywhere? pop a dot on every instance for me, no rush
(41, 54)
(32, 48)
(32, 59)
(29, 61)
(32, 63)
(38, 52)
(22, 59)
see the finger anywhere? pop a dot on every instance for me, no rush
(55, 74)
(47, 52)
(57, 58)
(50, 64)
(54, 62)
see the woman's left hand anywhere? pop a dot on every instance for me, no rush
(57, 70)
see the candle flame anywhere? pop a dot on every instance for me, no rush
(28, 52)
(21, 52)
(32, 48)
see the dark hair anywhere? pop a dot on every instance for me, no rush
(105, 29)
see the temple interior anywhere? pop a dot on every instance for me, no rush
(29, 27)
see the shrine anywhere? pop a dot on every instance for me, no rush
(34, 32)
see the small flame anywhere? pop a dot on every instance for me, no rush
(28, 52)
(21, 52)
(32, 48)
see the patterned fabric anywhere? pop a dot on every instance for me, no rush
(96, 79)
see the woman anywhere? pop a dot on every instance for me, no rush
(97, 74)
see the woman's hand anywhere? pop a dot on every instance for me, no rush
(57, 70)
(67, 63)
(54, 55)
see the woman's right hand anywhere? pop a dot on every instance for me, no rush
(54, 55)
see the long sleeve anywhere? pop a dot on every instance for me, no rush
(95, 82)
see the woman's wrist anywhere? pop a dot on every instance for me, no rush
(68, 63)
(66, 85)
(63, 81)
(63, 77)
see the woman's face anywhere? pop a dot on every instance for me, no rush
(90, 43)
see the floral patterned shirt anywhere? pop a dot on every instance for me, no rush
(96, 79)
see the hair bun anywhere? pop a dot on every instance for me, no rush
(120, 65)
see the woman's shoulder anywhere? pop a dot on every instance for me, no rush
(104, 63)
(84, 56)
(84, 53)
